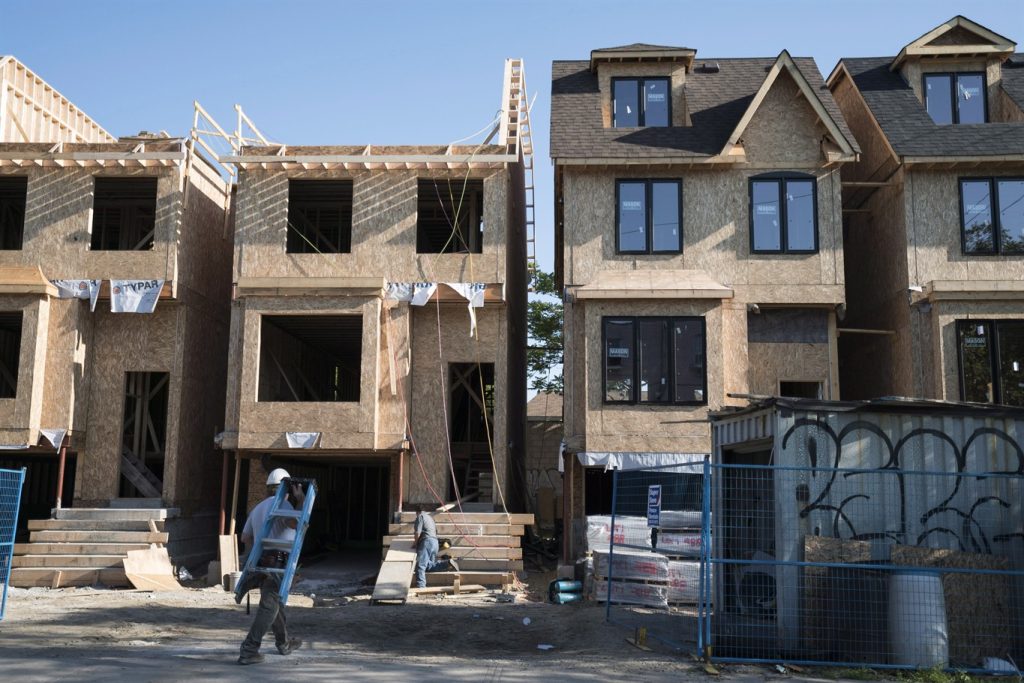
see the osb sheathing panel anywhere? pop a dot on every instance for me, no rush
(677, 78)
(431, 359)
(874, 151)
(58, 222)
(125, 342)
(344, 425)
(734, 351)
(192, 480)
(1011, 111)
(205, 240)
(234, 367)
(574, 373)
(784, 128)
(716, 236)
(19, 416)
(645, 427)
(942, 355)
(394, 359)
(933, 199)
(383, 229)
(788, 362)
(66, 382)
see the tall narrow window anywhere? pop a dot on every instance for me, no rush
(955, 97)
(10, 352)
(13, 191)
(992, 215)
(649, 216)
(450, 216)
(123, 214)
(640, 102)
(783, 214)
(319, 217)
(991, 361)
(654, 360)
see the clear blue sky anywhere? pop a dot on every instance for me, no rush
(426, 72)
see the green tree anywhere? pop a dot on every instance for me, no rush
(544, 328)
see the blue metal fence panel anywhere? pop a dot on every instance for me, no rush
(11, 482)
(881, 567)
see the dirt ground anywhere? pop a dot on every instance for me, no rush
(99, 634)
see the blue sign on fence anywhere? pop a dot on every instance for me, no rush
(654, 505)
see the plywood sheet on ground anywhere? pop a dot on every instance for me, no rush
(395, 575)
(150, 569)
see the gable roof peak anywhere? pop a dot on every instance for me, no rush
(988, 43)
(642, 52)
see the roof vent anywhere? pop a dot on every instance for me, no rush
(710, 67)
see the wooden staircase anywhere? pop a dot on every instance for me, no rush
(486, 546)
(85, 546)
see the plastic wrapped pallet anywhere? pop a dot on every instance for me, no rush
(681, 519)
(684, 581)
(679, 543)
(631, 564)
(627, 592)
(628, 531)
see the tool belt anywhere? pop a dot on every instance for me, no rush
(273, 559)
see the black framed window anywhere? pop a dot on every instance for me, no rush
(319, 217)
(784, 214)
(991, 355)
(956, 97)
(992, 215)
(13, 192)
(123, 214)
(449, 216)
(655, 360)
(638, 102)
(648, 216)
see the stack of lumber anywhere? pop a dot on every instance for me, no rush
(486, 546)
(85, 546)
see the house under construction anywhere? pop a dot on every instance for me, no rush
(378, 325)
(107, 410)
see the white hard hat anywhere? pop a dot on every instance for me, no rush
(276, 476)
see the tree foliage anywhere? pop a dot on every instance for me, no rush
(544, 328)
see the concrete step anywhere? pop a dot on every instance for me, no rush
(27, 577)
(98, 537)
(136, 503)
(77, 548)
(93, 525)
(77, 561)
(122, 514)
(471, 564)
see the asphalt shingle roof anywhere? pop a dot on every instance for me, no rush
(636, 47)
(716, 101)
(909, 128)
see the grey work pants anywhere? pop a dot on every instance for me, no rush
(269, 616)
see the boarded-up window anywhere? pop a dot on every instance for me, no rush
(10, 352)
(13, 191)
(123, 214)
(319, 217)
(310, 358)
(450, 216)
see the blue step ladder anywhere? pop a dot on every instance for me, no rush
(293, 547)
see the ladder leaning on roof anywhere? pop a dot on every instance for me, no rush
(293, 547)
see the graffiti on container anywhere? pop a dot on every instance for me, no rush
(954, 516)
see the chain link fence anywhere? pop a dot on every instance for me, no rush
(884, 568)
(11, 482)
(646, 554)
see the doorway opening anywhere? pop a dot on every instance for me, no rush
(144, 434)
(471, 407)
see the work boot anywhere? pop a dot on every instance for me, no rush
(452, 564)
(253, 658)
(291, 646)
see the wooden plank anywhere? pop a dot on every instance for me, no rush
(478, 577)
(437, 590)
(38, 576)
(474, 518)
(472, 541)
(97, 537)
(228, 553)
(395, 574)
(449, 530)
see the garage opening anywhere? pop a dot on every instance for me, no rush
(310, 358)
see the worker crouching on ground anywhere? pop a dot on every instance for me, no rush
(270, 615)
(427, 547)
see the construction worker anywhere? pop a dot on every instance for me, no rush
(270, 615)
(426, 548)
